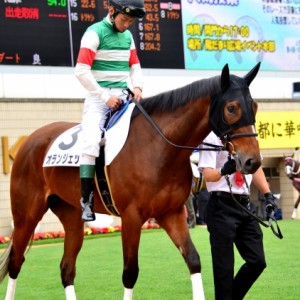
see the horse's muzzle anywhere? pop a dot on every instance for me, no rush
(248, 166)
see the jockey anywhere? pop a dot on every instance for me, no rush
(107, 59)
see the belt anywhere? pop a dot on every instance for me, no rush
(241, 198)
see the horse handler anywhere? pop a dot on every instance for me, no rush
(107, 59)
(228, 225)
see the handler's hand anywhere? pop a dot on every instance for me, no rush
(271, 206)
(228, 168)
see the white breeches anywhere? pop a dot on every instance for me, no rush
(93, 120)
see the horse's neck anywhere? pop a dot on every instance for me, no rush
(296, 169)
(187, 126)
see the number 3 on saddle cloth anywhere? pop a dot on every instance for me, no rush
(65, 150)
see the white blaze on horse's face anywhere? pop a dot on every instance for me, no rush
(288, 170)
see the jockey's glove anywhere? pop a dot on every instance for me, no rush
(228, 168)
(271, 206)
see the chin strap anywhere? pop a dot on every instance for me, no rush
(112, 20)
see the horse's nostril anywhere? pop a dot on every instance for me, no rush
(248, 163)
(251, 165)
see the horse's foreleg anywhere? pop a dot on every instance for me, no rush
(176, 227)
(11, 289)
(131, 233)
(295, 207)
(73, 243)
(70, 217)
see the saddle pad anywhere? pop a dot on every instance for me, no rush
(65, 150)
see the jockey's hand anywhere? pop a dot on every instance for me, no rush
(228, 168)
(113, 102)
(137, 93)
(271, 206)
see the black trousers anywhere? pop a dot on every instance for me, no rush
(228, 225)
(202, 200)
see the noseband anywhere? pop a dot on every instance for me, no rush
(228, 137)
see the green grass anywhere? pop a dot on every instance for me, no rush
(163, 273)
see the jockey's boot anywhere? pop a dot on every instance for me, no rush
(87, 200)
(87, 192)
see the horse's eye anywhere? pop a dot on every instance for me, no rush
(232, 112)
(231, 109)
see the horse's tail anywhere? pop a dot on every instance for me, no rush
(4, 260)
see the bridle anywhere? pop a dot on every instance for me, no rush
(228, 137)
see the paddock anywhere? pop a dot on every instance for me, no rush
(276, 282)
(20, 117)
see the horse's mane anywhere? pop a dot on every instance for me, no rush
(170, 100)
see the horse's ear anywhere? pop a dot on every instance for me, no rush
(251, 75)
(225, 78)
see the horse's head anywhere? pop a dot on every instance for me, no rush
(235, 125)
(291, 167)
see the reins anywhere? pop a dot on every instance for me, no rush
(271, 217)
(150, 120)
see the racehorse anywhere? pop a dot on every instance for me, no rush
(292, 170)
(149, 178)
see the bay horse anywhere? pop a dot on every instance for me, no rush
(149, 178)
(292, 170)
